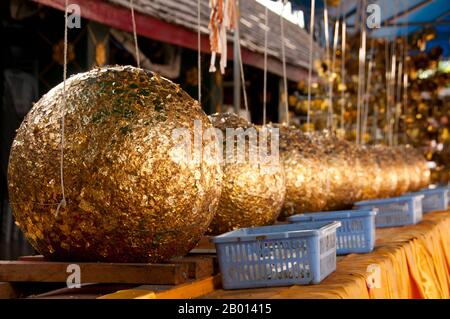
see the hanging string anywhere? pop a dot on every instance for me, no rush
(136, 47)
(392, 91)
(396, 89)
(283, 53)
(361, 74)
(367, 91)
(266, 30)
(199, 56)
(397, 100)
(63, 203)
(333, 64)
(388, 80)
(393, 80)
(405, 74)
(343, 48)
(311, 32)
(241, 67)
(327, 46)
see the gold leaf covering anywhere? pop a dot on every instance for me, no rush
(324, 172)
(127, 199)
(252, 192)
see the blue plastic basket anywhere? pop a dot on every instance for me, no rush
(434, 199)
(396, 211)
(277, 255)
(357, 233)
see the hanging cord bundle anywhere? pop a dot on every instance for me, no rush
(199, 55)
(136, 47)
(283, 53)
(266, 30)
(63, 203)
(222, 18)
(311, 34)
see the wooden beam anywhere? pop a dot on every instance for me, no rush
(188, 290)
(198, 266)
(150, 27)
(45, 271)
(7, 291)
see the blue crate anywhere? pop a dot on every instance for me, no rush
(396, 211)
(277, 255)
(357, 233)
(434, 199)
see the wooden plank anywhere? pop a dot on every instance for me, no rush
(188, 290)
(8, 291)
(45, 271)
(32, 258)
(198, 266)
(192, 289)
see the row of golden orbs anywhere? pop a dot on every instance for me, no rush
(128, 200)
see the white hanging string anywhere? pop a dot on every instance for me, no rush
(311, 32)
(333, 64)
(361, 75)
(391, 90)
(397, 101)
(283, 53)
(358, 106)
(199, 56)
(405, 72)
(266, 30)
(343, 48)
(241, 67)
(62, 203)
(367, 91)
(327, 47)
(138, 59)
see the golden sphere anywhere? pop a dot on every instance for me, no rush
(127, 199)
(388, 171)
(252, 191)
(305, 170)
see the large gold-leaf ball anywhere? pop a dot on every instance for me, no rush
(252, 191)
(127, 199)
(306, 172)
